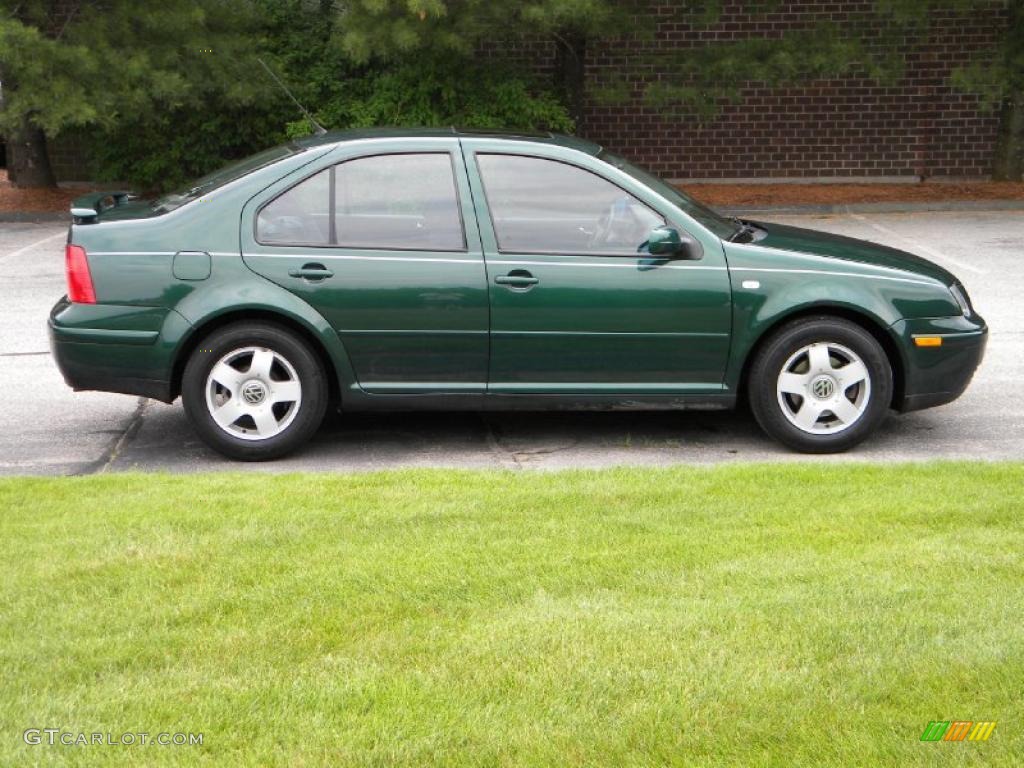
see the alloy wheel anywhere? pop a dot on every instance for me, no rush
(253, 393)
(823, 388)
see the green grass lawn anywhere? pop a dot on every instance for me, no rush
(743, 615)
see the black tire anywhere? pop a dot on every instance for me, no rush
(770, 407)
(292, 360)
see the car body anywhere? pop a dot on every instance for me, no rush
(453, 269)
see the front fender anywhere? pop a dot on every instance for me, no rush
(778, 296)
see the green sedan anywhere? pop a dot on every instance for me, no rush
(447, 269)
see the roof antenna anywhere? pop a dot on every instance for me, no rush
(318, 129)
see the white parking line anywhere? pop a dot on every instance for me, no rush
(32, 246)
(940, 257)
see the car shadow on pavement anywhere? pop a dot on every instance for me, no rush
(516, 440)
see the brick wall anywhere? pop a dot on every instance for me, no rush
(851, 127)
(69, 156)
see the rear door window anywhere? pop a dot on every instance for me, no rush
(389, 202)
(399, 202)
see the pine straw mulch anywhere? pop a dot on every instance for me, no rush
(14, 200)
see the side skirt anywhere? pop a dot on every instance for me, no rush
(503, 402)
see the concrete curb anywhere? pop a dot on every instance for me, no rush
(949, 206)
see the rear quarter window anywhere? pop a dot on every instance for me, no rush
(299, 216)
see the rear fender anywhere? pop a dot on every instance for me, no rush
(235, 288)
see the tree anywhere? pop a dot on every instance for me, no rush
(386, 29)
(426, 87)
(76, 63)
(30, 50)
(160, 149)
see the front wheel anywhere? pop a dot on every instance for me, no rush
(820, 385)
(254, 391)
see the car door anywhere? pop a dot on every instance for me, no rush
(577, 306)
(381, 239)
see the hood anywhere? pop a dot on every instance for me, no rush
(816, 243)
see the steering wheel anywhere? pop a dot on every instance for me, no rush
(620, 219)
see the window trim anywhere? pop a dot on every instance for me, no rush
(587, 254)
(332, 233)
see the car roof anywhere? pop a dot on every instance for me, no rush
(538, 137)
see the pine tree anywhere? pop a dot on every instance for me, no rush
(74, 63)
(388, 29)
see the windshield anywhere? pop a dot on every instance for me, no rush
(718, 224)
(223, 176)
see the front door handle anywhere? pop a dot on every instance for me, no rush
(517, 280)
(311, 272)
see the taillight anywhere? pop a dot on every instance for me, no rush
(80, 288)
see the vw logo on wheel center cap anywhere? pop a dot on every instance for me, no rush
(823, 387)
(254, 392)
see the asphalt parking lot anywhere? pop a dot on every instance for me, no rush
(47, 429)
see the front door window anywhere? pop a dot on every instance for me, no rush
(543, 206)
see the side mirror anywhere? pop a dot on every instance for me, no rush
(666, 241)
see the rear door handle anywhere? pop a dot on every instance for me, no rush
(311, 272)
(517, 279)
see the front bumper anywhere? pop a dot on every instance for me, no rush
(115, 348)
(939, 375)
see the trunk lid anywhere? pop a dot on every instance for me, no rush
(109, 206)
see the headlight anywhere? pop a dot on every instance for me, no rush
(961, 298)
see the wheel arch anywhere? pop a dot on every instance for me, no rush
(862, 319)
(210, 324)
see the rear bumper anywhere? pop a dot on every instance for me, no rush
(939, 375)
(111, 348)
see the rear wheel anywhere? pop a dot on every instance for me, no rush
(254, 391)
(820, 385)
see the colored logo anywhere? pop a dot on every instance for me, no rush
(958, 730)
